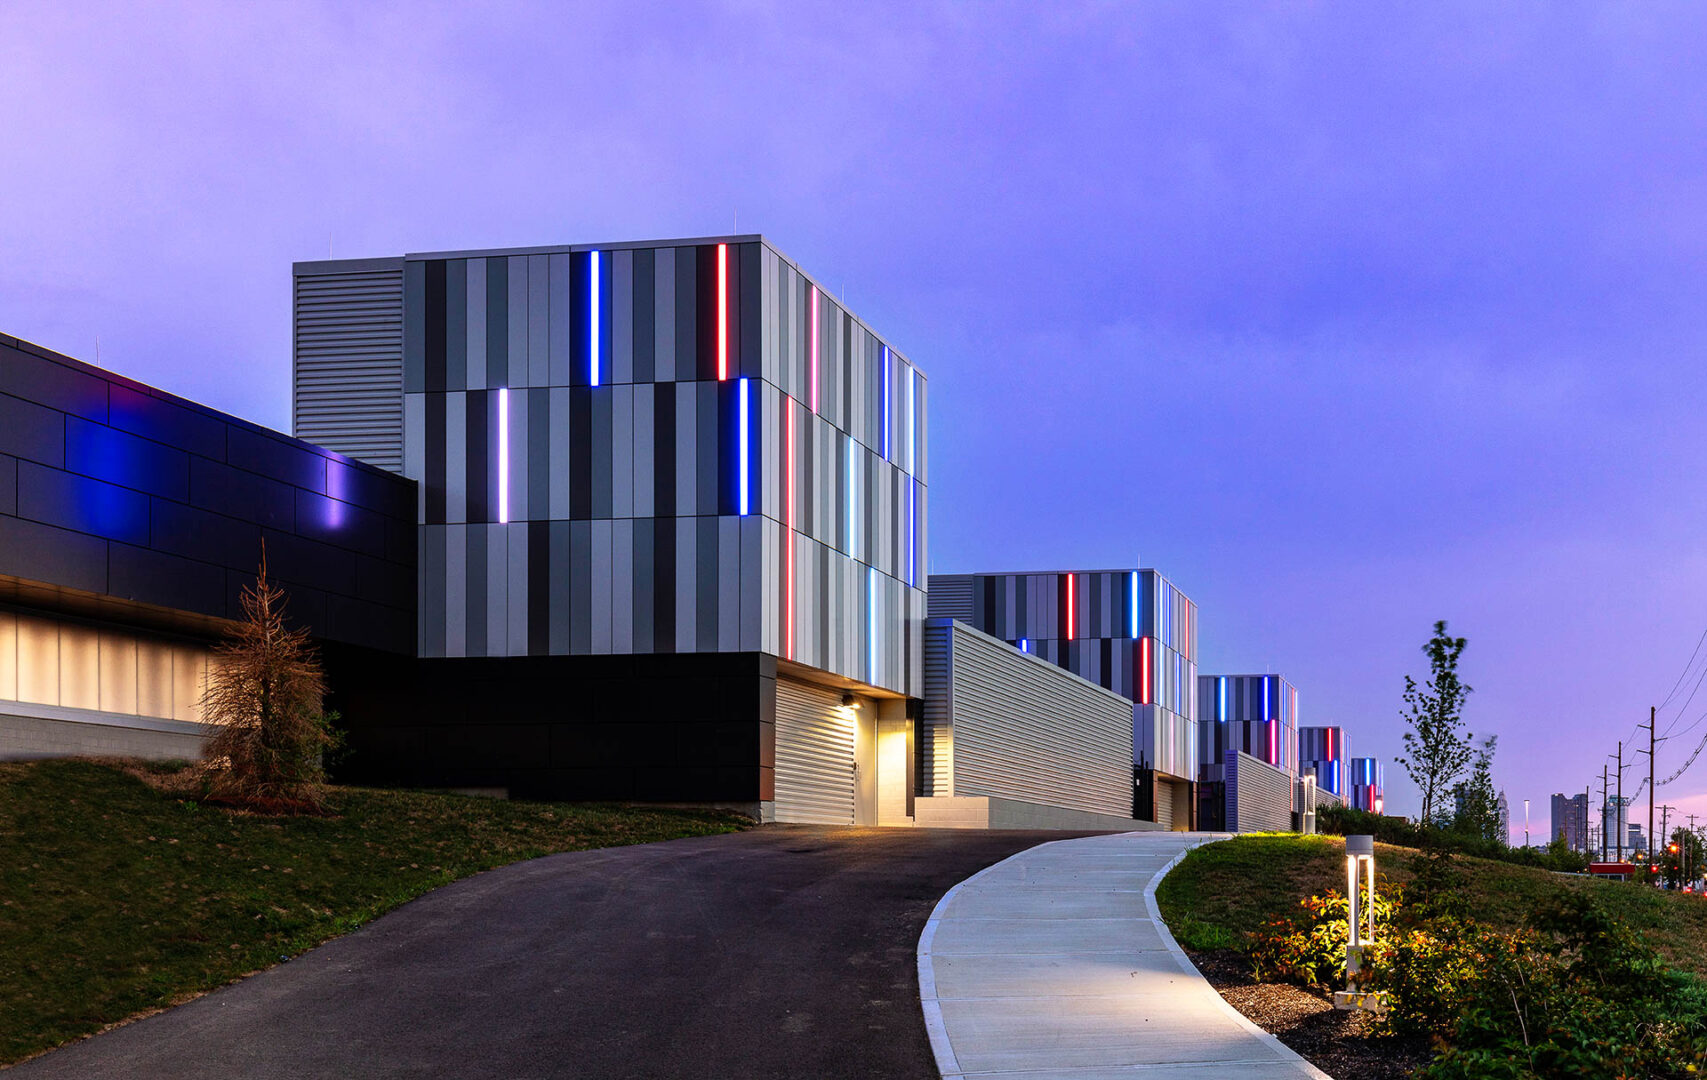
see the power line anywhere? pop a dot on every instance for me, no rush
(1685, 674)
(1685, 768)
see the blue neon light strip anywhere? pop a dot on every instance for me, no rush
(746, 501)
(593, 318)
(1221, 713)
(1024, 645)
(1134, 627)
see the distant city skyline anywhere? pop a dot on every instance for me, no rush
(1344, 319)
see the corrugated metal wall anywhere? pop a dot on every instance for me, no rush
(1259, 796)
(347, 391)
(1021, 727)
(814, 756)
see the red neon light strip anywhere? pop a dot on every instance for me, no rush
(1069, 607)
(722, 312)
(788, 527)
(1144, 671)
(812, 345)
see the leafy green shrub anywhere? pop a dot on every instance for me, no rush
(1576, 996)
(1348, 821)
(1308, 947)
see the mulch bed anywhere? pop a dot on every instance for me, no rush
(1336, 1042)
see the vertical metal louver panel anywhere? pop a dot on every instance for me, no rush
(936, 731)
(814, 756)
(347, 362)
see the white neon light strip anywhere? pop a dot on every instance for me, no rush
(912, 431)
(504, 456)
(593, 317)
(1134, 603)
(746, 505)
(871, 621)
(853, 494)
(912, 545)
(887, 452)
(812, 343)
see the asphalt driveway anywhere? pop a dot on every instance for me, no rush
(779, 952)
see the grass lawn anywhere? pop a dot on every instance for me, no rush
(1223, 891)
(117, 898)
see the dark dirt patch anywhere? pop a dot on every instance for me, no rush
(1336, 1042)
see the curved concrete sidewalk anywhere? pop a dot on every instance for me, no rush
(1055, 963)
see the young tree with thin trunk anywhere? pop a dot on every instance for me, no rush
(1436, 754)
(266, 697)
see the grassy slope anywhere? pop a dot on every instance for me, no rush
(116, 898)
(1223, 891)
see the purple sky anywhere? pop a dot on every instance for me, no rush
(1347, 318)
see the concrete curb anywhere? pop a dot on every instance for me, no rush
(1186, 966)
(946, 1063)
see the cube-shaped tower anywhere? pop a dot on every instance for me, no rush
(661, 450)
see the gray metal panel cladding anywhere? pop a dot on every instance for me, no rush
(1023, 728)
(347, 362)
(950, 596)
(618, 455)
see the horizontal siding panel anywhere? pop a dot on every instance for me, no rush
(814, 756)
(1025, 729)
(347, 355)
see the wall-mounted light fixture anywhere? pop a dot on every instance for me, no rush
(850, 702)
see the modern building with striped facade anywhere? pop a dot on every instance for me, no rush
(1130, 631)
(658, 449)
(1254, 715)
(1321, 754)
(1368, 785)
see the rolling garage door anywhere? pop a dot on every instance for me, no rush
(814, 756)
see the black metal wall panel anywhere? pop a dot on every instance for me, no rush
(113, 488)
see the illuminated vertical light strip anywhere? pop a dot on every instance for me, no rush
(1024, 645)
(1070, 612)
(503, 456)
(853, 495)
(1143, 671)
(722, 312)
(746, 500)
(912, 488)
(812, 344)
(788, 527)
(1221, 689)
(871, 624)
(888, 446)
(593, 318)
(1134, 618)
(1267, 726)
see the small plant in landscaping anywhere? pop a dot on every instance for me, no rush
(1308, 946)
(265, 697)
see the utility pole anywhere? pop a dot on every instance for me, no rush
(1618, 808)
(1603, 812)
(1650, 752)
